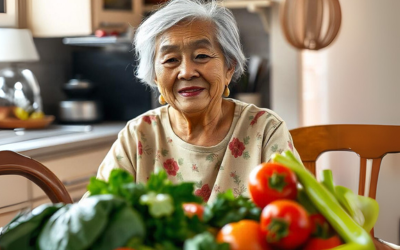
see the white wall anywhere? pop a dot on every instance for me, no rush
(360, 84)
(285, 74)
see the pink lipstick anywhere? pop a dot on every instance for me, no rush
(190, 91)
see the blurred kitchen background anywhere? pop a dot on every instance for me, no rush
(355, 80)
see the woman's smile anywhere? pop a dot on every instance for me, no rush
(190, 91)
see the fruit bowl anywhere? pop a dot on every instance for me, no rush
(12, 122)
(4, 111)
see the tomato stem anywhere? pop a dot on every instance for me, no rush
(277, 181)
(277, 229)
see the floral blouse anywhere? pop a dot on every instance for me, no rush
(148, 142)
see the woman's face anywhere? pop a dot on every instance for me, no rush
(190, 67)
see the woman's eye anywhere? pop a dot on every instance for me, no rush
(202, 56)
(171, 60)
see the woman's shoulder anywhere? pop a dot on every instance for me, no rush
(152, 117)
(251, 111)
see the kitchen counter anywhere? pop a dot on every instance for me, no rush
(59, 139)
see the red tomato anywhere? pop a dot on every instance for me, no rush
(285, 223)
(322, 244)
(320, 227)
(100, 33)
(243, 235)
(269, 182)
(192, 209)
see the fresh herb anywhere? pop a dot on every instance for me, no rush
(159, 202)
(226, 209)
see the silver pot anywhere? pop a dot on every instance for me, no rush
(80, 111)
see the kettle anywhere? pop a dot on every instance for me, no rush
(80, 107)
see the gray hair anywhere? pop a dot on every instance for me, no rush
(175, 11)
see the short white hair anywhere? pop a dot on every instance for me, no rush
(175, 11)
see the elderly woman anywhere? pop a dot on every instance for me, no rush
(191, 52)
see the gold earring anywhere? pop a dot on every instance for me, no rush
(227, 92)
(161, 100)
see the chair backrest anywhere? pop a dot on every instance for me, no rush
(12, 163)
(370, 142)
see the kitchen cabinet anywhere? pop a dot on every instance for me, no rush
(73, 169)
(73, 157)
(259, 7)
(14, 197)
(56, 18)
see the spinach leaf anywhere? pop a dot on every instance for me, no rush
(23, 230)
(123, 224)
(80, 225)
(226, 209)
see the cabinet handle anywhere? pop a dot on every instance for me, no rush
(80, 180)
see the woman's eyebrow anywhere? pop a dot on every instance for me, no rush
(193, 44)
(166, 48)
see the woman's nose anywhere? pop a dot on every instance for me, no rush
(188, 70)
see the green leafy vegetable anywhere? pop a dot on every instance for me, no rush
(114, 214)
(160, 204)
(204, 241)
(91, 222)
(23, 229)
(226, 209)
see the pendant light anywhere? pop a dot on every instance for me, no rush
(310, 24)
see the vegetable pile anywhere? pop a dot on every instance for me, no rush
(288, 209)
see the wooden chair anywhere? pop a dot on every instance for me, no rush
(370, 142)
(12, 163)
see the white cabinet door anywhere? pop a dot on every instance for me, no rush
(58, 18)
(13, 190)
(73, 169)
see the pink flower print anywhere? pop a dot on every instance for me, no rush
(204, 192)
(254, 121)
(171, 166)
(140, 148)
(169, 140)
(195, 168)
(290, 144)
(233, 174)
(237, 147)
(217, 188)
(146, 118)
(153, 118)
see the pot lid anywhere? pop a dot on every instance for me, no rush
(79, 84)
